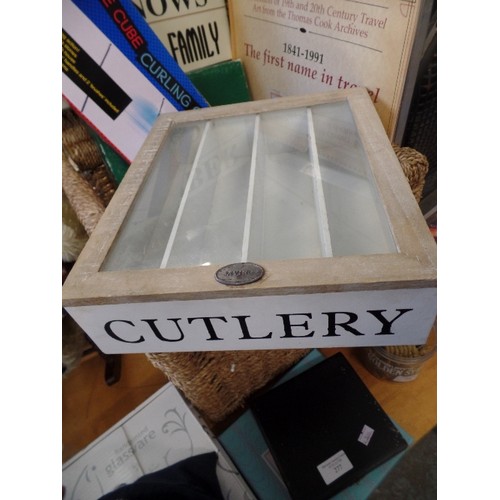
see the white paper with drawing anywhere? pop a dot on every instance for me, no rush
(292, 47)
(159, 433)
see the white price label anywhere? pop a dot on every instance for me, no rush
(366, 435)
(334, 467)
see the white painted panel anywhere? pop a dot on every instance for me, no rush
(343, 319)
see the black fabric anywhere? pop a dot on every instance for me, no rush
(191, 479)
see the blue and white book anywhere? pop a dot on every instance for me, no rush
(117, 74)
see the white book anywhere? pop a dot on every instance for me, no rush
(195, 33)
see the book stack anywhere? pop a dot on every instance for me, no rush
(124, 63)
(197, 35)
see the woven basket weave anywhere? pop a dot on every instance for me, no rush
(85, 179)
(216, 383)
(415, 166)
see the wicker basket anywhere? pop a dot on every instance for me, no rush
(219, 383)
(415, 166)
(88, 188)
(85, 179)
(216, 383)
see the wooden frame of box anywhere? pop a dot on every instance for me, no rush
(339, 283)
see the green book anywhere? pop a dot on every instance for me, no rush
(222, 83)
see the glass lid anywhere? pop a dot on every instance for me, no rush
(276, 185)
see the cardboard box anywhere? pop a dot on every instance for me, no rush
(283, 223)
